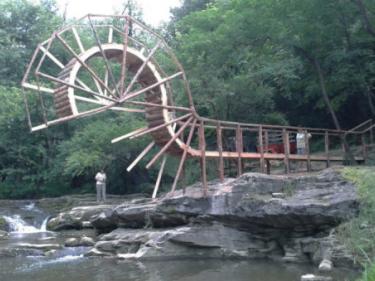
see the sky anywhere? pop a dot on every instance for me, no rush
(154, 11)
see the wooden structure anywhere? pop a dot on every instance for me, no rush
(117, 63)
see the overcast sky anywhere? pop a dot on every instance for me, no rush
(154, 11)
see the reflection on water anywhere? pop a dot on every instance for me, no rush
(69, 268)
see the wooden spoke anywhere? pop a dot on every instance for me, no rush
(160, 126)
(142, 67)
(124, 57)
(125, 109)
(140, 156)
(181, 165)
(159, 105)
(144, 90)
(128, 135)
(38, 88)
(106, 62)
(82, 62)
(74, 86)
(160, 174)
(169, 143)
(78, 40)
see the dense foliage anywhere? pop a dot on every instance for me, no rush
(298, 62)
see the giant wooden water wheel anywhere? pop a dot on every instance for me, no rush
(116, 63)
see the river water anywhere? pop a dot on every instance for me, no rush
(28, 224)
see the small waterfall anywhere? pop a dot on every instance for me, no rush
(43, 227)
(18, 225)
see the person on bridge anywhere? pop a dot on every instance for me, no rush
(100, 178)
(301, 141)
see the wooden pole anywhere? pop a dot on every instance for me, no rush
(307, 151)
(169, 143)
(124, 56)
(239, 148)
(157, 184)
(371, 133)
(220, 149)
(326, 145)
(181, 166)
(140, 156)
(261, 149)
(364, 148)
(202, 147)
(160, 126)
(286, 151)
(141, 68)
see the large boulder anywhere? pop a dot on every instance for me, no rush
(288, 218)
(76, 218)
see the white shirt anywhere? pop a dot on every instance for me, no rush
(100, 178)
(300, 138)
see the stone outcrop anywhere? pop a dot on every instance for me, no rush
(288, 218)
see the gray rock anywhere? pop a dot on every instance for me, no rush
(325, 266)
(87, 241)
(44, 247)
(239, 218)
(4, 234)
(87, 224)
(72, 242)
(312, 277)
(50, 253)
(279, 195)
(74, 218)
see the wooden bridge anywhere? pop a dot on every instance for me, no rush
(117, 63)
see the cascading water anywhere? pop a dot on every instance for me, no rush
(18, 225)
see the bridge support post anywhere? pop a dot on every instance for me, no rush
(202, 147)
(239, 148)
(364, 147)
(307, 151)
(326, 145)
(261, 149)
(220, 149)
(286, 151)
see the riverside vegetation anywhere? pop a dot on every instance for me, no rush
(358, 234)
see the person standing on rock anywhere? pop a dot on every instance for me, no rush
(100, 186)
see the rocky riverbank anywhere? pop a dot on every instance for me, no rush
(285, 218)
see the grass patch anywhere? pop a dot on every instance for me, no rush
(359, 233)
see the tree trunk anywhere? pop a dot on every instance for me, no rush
(323, 88)
(315, 63)
(369, 96)
(366, 21)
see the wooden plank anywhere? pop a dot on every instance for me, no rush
(239, 148)
(220, 150)
(307, 151)
(261, 149)
(286, 151)
(326, 145)
(202, 147)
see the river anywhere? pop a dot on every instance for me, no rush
(27, 222)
